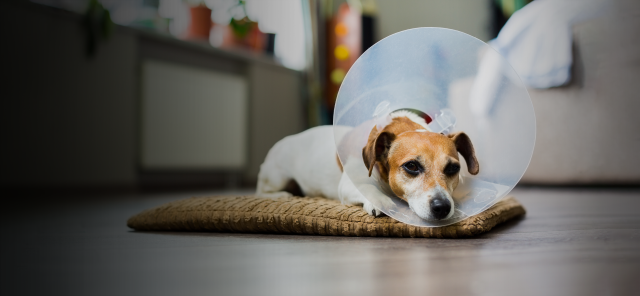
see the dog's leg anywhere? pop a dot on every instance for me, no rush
(350, 195)
(271, 183)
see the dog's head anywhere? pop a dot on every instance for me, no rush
(420, 167)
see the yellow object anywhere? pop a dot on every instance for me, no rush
(337, 76)
(341, 52)
(341, 29)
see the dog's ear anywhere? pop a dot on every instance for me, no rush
(465, 148)
(377, 148)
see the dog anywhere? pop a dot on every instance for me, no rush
(418, 166)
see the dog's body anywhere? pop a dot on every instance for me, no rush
(419, 166)
(309, 158)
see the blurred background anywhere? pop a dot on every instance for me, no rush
(137, 94)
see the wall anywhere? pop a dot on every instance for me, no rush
(471, 17)
(66, 119)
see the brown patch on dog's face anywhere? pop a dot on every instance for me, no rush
(420, 161)
(376, 151)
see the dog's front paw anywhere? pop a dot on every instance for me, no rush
(371, 210)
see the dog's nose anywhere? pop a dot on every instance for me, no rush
(440, 207)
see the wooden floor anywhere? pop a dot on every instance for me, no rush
(573, 241)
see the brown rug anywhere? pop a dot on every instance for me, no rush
(303, 215)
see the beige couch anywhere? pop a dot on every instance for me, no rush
(589, 130)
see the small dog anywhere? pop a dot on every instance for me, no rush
(418, 166)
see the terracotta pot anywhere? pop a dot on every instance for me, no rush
(200, 24)
(253, 39)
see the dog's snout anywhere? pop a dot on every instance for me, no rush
(440, 207)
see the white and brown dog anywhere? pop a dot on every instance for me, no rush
(419, 166)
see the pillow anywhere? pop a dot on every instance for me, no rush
(304, 215)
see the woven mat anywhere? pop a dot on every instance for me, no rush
(303, 215)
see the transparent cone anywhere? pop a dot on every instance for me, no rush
(463, 85)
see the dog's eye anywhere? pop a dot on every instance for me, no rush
(451, 169)
(411, 167)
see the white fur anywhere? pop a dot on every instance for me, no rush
(412, 116)
(309, 158)
(350, 195)
(419, 200)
